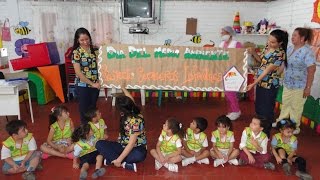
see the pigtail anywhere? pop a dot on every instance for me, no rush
(181, 131)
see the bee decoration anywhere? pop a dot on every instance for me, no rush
(167, 42)
(22, 28)
(196, 39)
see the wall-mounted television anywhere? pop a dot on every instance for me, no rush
(138, 11)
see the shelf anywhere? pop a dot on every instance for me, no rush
(252, 34)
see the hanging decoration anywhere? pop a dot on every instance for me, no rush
(22, 28)
(316, 12)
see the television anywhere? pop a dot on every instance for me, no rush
(138, 11)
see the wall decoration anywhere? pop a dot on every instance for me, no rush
(21, 46)
(167, 42)
(316, 13)
(6, 35)
(196, 39)
(22, 28)
(170, 68)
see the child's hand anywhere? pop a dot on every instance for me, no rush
(254, 142)
(15, 167)
(22, 165)
(105, 136)
(251, 159)
(289, 160)
(116, 163)
(220, 155)
(75, 165)
(278, 159)
(61, 148)
(162, 159)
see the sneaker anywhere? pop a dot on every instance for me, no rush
(83, 175)
(188, 161)
(29, 175)
(44, 155)
(287, 169)
(130, 166)
(173, 167)
(241, 162)
(234, 115)
(269, 166)
(274, 124)
(98, 172)
(233, 162)
(303, 175)
(296, 131)
(218, 162)
(157, 165)
(203, 161)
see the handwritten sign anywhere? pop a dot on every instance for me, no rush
(168, 68)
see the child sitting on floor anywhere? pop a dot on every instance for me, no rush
(195, 143)
(222, 143)
(284, 148)
(19, 151)
(59, 137)
(168, 149)
(253, 145)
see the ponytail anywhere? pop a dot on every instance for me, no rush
(80, 133)
(306, 33)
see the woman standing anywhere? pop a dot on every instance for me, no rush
(84, 59)
(131, 145)
(267, 80)
(233, 105)
(298, 78)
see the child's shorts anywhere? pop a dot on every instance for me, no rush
(90, 158)
(224, 152)
(6, 166)
(63, 142)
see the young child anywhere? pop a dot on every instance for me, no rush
(19, 151)
(93, 116)
(222, 143)
(253, 145)
(59, 138)
(168, 149)
(85, 150)
(284, 147)
(195, 143)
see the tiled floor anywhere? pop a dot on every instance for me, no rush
(56, 169)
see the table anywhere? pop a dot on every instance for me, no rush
(9, 98)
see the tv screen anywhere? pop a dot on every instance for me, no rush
(137, 8)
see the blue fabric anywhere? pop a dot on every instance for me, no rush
(298, 61)
(111, 150)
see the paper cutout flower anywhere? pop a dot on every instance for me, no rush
(21, 46)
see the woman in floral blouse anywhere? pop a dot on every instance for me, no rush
(131, 145)
(267, 80)
(84, 59)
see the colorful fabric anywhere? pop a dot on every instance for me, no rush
(98, 132)
(193, 143)
(168, 146)
(59, 133)
(289, 147)
(15, 151)
(88, 65)
(276, 58)
(86, 146)
(299, 60)
(219, 143)
(131, 126)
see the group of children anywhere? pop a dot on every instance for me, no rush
(174, 145)
(20, 154)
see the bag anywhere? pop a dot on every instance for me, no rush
(6, 36)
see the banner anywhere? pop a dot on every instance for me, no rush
(172, 68)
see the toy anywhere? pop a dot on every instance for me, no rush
(236, 23)
(247, 27)
(272, 26)
(262, 26)
(196, 39)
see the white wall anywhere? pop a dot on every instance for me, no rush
(291, 14)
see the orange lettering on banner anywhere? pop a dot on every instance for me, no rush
(171, 76)
(192, 74)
